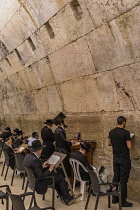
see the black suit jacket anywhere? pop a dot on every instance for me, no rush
(17, 142)
(83, 159)
(31, 161)
(10, 152)
(47, 134)
(60, 139)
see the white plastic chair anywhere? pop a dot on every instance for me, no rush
(75, 166)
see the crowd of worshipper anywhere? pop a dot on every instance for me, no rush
(36, 153)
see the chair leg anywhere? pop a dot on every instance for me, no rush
(23, 181)
(32, 200)
(13, 177)
(82, 189)
(6, 172)
(7, 203)
(3, 169)
(88, 198)
(96, 204)
(120, 203)
(53, 197)
(109, 204)
(74, 181)
(43, 197)
(26, 187)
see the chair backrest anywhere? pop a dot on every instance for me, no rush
(6, 157)
(31, 178)
(94, 182)
(19, 158)
(17, 202)
(75, 166)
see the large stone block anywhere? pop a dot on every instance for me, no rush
(32, 50)
(108, 48)
(5, 107)
(9, 8)
(41, 100)
(54, 99)
(94, 93)
(127, 80)
(28, 103)
(41, 11)
(128, 26)
(72, 61)
(103, 11)
(67, 25)
(15, 105)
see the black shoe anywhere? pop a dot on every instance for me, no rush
(127, 204)
(68, 199)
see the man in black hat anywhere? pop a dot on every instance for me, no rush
(15, 132)
(40, 170)
(6, 134)
(48, 138)
(19, 140)
(62, 144)
(81, 157)
(9, 149)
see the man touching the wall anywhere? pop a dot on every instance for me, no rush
(119, 139)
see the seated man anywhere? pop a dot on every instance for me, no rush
(9, 149)
(34, 137)
(81, 157)
(19, 140)
(41, 171)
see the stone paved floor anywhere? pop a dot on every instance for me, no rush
(16, 188)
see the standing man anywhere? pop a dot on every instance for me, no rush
(48, 139)
(6, 134)
(62, 144)
(119, 139)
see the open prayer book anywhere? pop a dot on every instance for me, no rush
(56, 158)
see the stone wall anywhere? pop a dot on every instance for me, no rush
(81, 57)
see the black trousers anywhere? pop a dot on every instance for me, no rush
(122, 169)
(60, 184)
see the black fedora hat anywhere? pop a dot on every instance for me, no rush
(20, 133)
(16, 130)
(59, 118)
(85, 146)
(49, 122)
(36, 145)
(7, 129)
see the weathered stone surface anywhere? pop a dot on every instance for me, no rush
(41, 100)
(9, 8)
(66, 27)
(54, 99)
(108, 48)
(41, 11)
(103, 11)
(72, 61)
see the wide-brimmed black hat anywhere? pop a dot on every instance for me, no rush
(36, 145)
(16, 130)
(59, 118)
(20, 133)
(7, 129)
(49, 122)
(85, 146)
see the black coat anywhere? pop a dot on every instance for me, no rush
(17, 142)
(10, 152)
(31, 161)
(83, 159)
(5, 135)
(61, 142)
(48, 138)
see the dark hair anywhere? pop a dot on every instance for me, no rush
(120, 120)
(34, 134)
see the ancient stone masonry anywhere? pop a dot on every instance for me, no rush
(81, 57)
